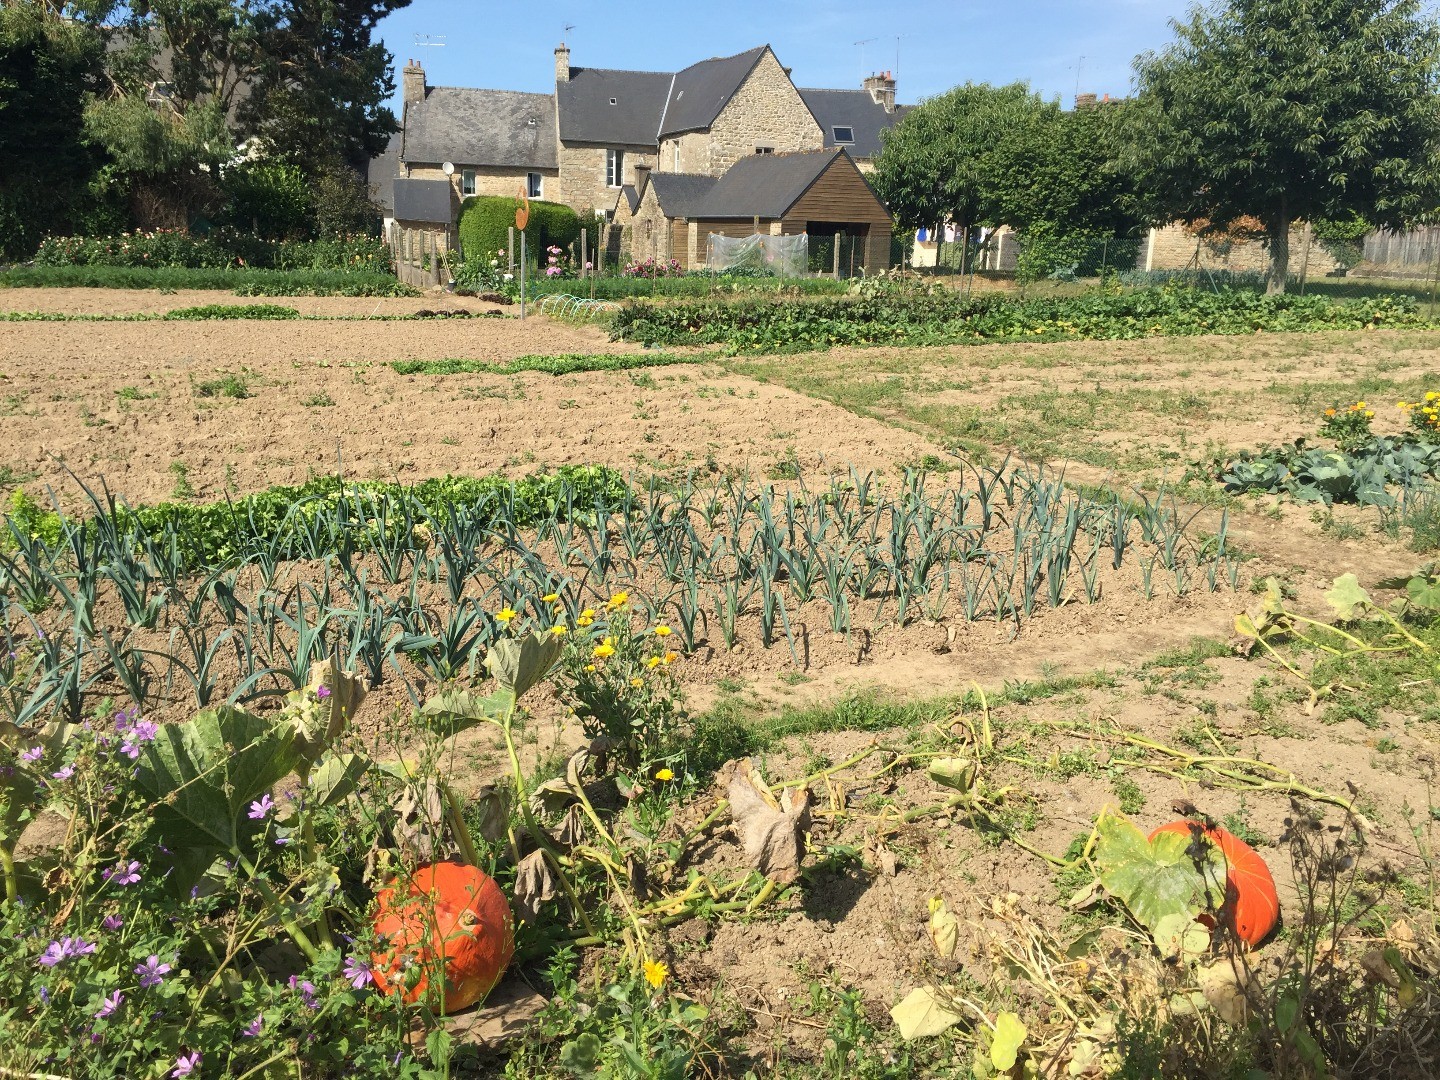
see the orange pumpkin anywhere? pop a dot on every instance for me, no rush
(451, 917)
(1252, 906)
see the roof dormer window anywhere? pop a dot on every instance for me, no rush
(844, 136)
(612, 101)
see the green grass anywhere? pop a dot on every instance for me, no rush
(564, 364)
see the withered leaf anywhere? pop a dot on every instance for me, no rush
(492, 812)
(535, 884)
(571, 830)
(773, 831)
(421, 813)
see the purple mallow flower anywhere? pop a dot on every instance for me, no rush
(35, 753)
(59, 951)
(109, 1004)
(260, 808)
(112, 922)
(141, 731)
(151, 972)
(120, 874)
(307, 991)
(185, 1065)
(253, 1029)
(322, 692)
(64, 773)
(358, 972)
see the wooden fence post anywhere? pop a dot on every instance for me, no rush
(835, 269)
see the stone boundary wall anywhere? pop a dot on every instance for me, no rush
(1172, 248)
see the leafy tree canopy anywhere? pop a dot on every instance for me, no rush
(1290, 110)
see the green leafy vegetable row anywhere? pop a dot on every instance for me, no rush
(939, 317)
(245, 282)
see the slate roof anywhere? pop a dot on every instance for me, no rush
(702, 90)
(482, 127)
(684, 194)
(381, 172)
(423, 200)
(854, 109)
(764, 185)
(587, 116)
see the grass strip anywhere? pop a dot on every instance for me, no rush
(564, 364)
(212, 312)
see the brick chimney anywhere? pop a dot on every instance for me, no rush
(1085, 101)
(642, 178)
(882, 90)
(562, 63)
(412, 82)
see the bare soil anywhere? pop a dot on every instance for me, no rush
(124, 403)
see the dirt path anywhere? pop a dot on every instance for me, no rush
(148, 301)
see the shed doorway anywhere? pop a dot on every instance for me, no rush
(838, 247)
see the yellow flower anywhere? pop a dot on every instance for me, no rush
(653, 663)
(637, 682)
(665, 774)
(662, 630)
(549, 598)
(1360, 405)
(604, 649)
(589, 667)
(1369, 414)
(584, 620)
(588, 613)
(656, 973)
(559, 629)
(1432, 395)
(620, 599)
(505, 614)
(671, 657)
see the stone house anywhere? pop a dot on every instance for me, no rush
(605, 131)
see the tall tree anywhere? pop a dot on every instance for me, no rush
(319, 91)
(938, 163)
(1290, 110)
(47, 66)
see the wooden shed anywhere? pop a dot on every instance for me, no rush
(821, 193)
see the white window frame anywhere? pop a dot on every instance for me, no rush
(764, 149)
(535, 185)
(835, 133)
(677, 155)
(467, 182)
(614, 168)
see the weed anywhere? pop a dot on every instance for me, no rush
(321, 400)
(230, 386)
(183, 489)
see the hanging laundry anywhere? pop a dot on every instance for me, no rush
(950, 234)
(922, 235)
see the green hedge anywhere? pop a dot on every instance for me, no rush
(245, 282)
(486, 220)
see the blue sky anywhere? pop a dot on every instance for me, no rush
(942, 42)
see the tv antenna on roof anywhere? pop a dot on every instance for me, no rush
(862, 45)
(429, 41)
(566, 32)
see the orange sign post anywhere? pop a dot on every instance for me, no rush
(522, 218)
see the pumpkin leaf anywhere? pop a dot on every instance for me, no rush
(944, 929)
(535, 884)
(1347, 599)
(773, 832)
(204, 773)
(337, 777)
(957, 773)
(923, 1013)
(491, 811)
(1159, 879)
(453, 711)
(520, 663)
(1179, 936)
(1005, 1041)
(1424, 593)
(581, 1055)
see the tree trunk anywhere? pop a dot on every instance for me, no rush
(1279, 251)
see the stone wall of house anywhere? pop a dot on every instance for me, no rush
(507, 183)
(767, 110)
(646, 233)
(694, 157)
(1172, 248)
(582, 176)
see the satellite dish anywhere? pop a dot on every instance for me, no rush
(448, 168)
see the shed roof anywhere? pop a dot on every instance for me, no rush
(765, 185)
(423, 200)
(855, 109)
(482, 127)
(701, 90)
(682, 194)
(587, 115)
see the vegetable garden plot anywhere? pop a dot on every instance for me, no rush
(408, 590)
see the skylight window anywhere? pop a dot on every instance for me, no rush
(843, 134)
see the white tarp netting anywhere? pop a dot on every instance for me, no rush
(783, 256)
